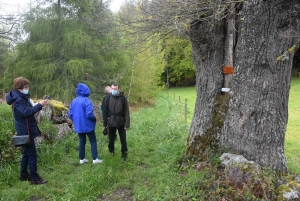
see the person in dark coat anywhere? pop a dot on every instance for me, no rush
(25, 124)
(116, 117)
(107, 92)
(81, 112)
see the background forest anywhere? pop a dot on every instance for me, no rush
(144, 47)
(57, 44)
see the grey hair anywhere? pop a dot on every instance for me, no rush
(106, 89)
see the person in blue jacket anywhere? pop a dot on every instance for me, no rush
(81, 112)
(25, 124)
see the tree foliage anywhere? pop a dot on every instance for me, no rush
(68, 42)
(172, 53)
(146, 68)
(146, 61)
(173, 16)
(179, 67)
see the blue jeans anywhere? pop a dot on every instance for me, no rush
(29, 159)
(82, 142)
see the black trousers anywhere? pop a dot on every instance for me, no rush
(112, 136)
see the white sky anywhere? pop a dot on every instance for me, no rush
(115, 5)
(14, 4)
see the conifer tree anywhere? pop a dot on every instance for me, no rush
(68, 41)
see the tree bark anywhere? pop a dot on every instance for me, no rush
(252, 118)
(208, 53)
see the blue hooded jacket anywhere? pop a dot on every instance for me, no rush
(81, 111)
(23, 113)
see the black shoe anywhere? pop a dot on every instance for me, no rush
(38, 181)
(25, 178)
(124, 157)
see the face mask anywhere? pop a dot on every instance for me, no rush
(114, 92)
(25, 91)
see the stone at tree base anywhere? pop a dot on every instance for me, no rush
(230, 159)
(288, 188)
(240, 171)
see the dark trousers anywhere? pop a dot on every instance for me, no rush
(29, 159)
(82, 142)
(112, 136)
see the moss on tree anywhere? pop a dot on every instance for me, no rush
(208, 140)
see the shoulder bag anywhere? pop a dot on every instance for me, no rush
(20, 140)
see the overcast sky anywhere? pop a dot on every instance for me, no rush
(14, 4)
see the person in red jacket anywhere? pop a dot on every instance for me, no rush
(25, 124)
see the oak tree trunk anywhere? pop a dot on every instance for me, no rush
(250, 119)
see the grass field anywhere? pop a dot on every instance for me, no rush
(183, 95)
(156, 142)
(292, 137)
(292, 140)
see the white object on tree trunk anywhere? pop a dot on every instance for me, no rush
(225, 89)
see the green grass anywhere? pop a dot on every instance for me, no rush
(183, 95)
(292, 137)
(156, 143)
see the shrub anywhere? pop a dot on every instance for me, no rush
(8, 152)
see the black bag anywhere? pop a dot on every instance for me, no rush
(105, 131)
(20, 140)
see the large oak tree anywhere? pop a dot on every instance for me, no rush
(258, 38)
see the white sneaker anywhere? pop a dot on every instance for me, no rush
(83, 161)
(97, 160)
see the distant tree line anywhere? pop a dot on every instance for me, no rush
(66, 42)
